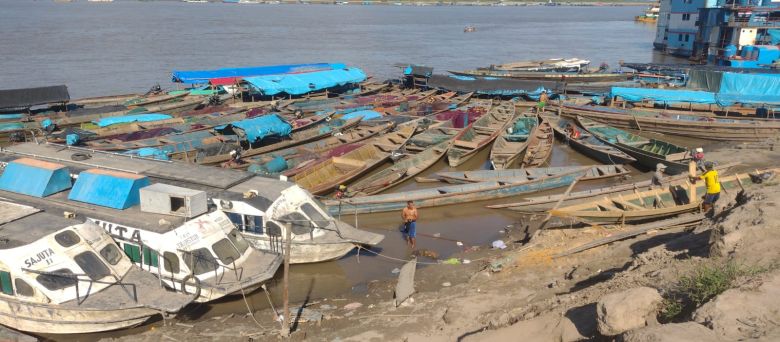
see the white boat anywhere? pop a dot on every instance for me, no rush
(58, 275)
(261, 208)
(164, 229)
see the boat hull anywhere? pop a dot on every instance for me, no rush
(40, 318)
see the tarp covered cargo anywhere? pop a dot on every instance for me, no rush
(203, 76)
(28, 97)
(662, 95)
(299, 84)
(363, 114)
(747, 84)
(492, 86)
(34, 177)
(255, 129)
(115, 120)
(113, 189)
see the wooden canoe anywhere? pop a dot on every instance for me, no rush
(647, 152)
(540, 145)
(403, 169)
(547, 76)
(296, 138)
(512, 141)
(693, 126)
(592, 172)
(645, 205)
(480, 133)
(586, 143)
(298, 157)
(324, 177)
(148, 100)
(451, 194)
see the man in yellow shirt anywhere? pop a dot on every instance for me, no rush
(712, 183)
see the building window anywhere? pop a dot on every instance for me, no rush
(679, 37)
(686, 37)
(686, 17)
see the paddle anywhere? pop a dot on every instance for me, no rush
(692, 174)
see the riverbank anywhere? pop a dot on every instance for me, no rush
(526, 291)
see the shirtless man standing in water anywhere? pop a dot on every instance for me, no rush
(409, 215)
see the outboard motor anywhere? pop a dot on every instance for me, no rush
(155, 89)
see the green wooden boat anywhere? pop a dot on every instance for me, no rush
(647, 152)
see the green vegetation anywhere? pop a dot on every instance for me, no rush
(705, 282)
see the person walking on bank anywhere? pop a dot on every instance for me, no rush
(543, 99)
(712, 182)
(409, 215)
(658, 177)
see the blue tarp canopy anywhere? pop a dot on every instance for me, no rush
(260, 127)
(34, 177)
(113, 189)
(114, 120)
(203, 76)
(751, 84)
(662, 95)
(365, 114)
(299, 84)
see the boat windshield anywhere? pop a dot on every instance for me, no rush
(200, 261)
(91, 264)
(231, 248)
(57, 280)
(315, 215)
(299, 224)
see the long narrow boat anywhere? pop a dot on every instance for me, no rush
(297, 157)
(480, 133)
(647, 152)
(645, 205)
(540, 145)
(453, 194)
(547, 76)
(593, 172)
(512, 142)
(543, 203)
(585, 143)
(402, 170)
(683, 125)
(324, 177)
(148, 100)
(296, 138)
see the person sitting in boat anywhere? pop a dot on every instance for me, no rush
(341, 192)
(543, 99)
(235, 159)
(658, 177)
(712, 183)
(572, 132)
(698, 157)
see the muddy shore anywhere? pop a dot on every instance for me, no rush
(524, 291)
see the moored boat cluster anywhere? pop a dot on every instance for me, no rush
(119, 208)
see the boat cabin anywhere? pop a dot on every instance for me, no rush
(167, 230)
(260, 208)
(58, 274)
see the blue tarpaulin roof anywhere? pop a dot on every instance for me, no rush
(662, 95)
(34, 177)
(260, 127)
(751, 84)
(299, 84)
(114, 120)
(111, 189)
(203, 76)
(365, 114)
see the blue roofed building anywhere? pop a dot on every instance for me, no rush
(738, 33)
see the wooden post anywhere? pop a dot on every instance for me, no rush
(286, 281)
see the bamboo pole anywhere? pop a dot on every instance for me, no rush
(286, 282)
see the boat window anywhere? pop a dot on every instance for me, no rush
(57, 280)
(273, 229)
(151, 258)
(91, 265)
(200, 261)
(177, 204)
(238, 240)
(67, 238)
(299, 224)
(237, 220)
(253, 224)
(314, 214)
(133, 251)
(5, 283)
(225, 251)
(171, 262)
(111, 253)
(23, 288)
